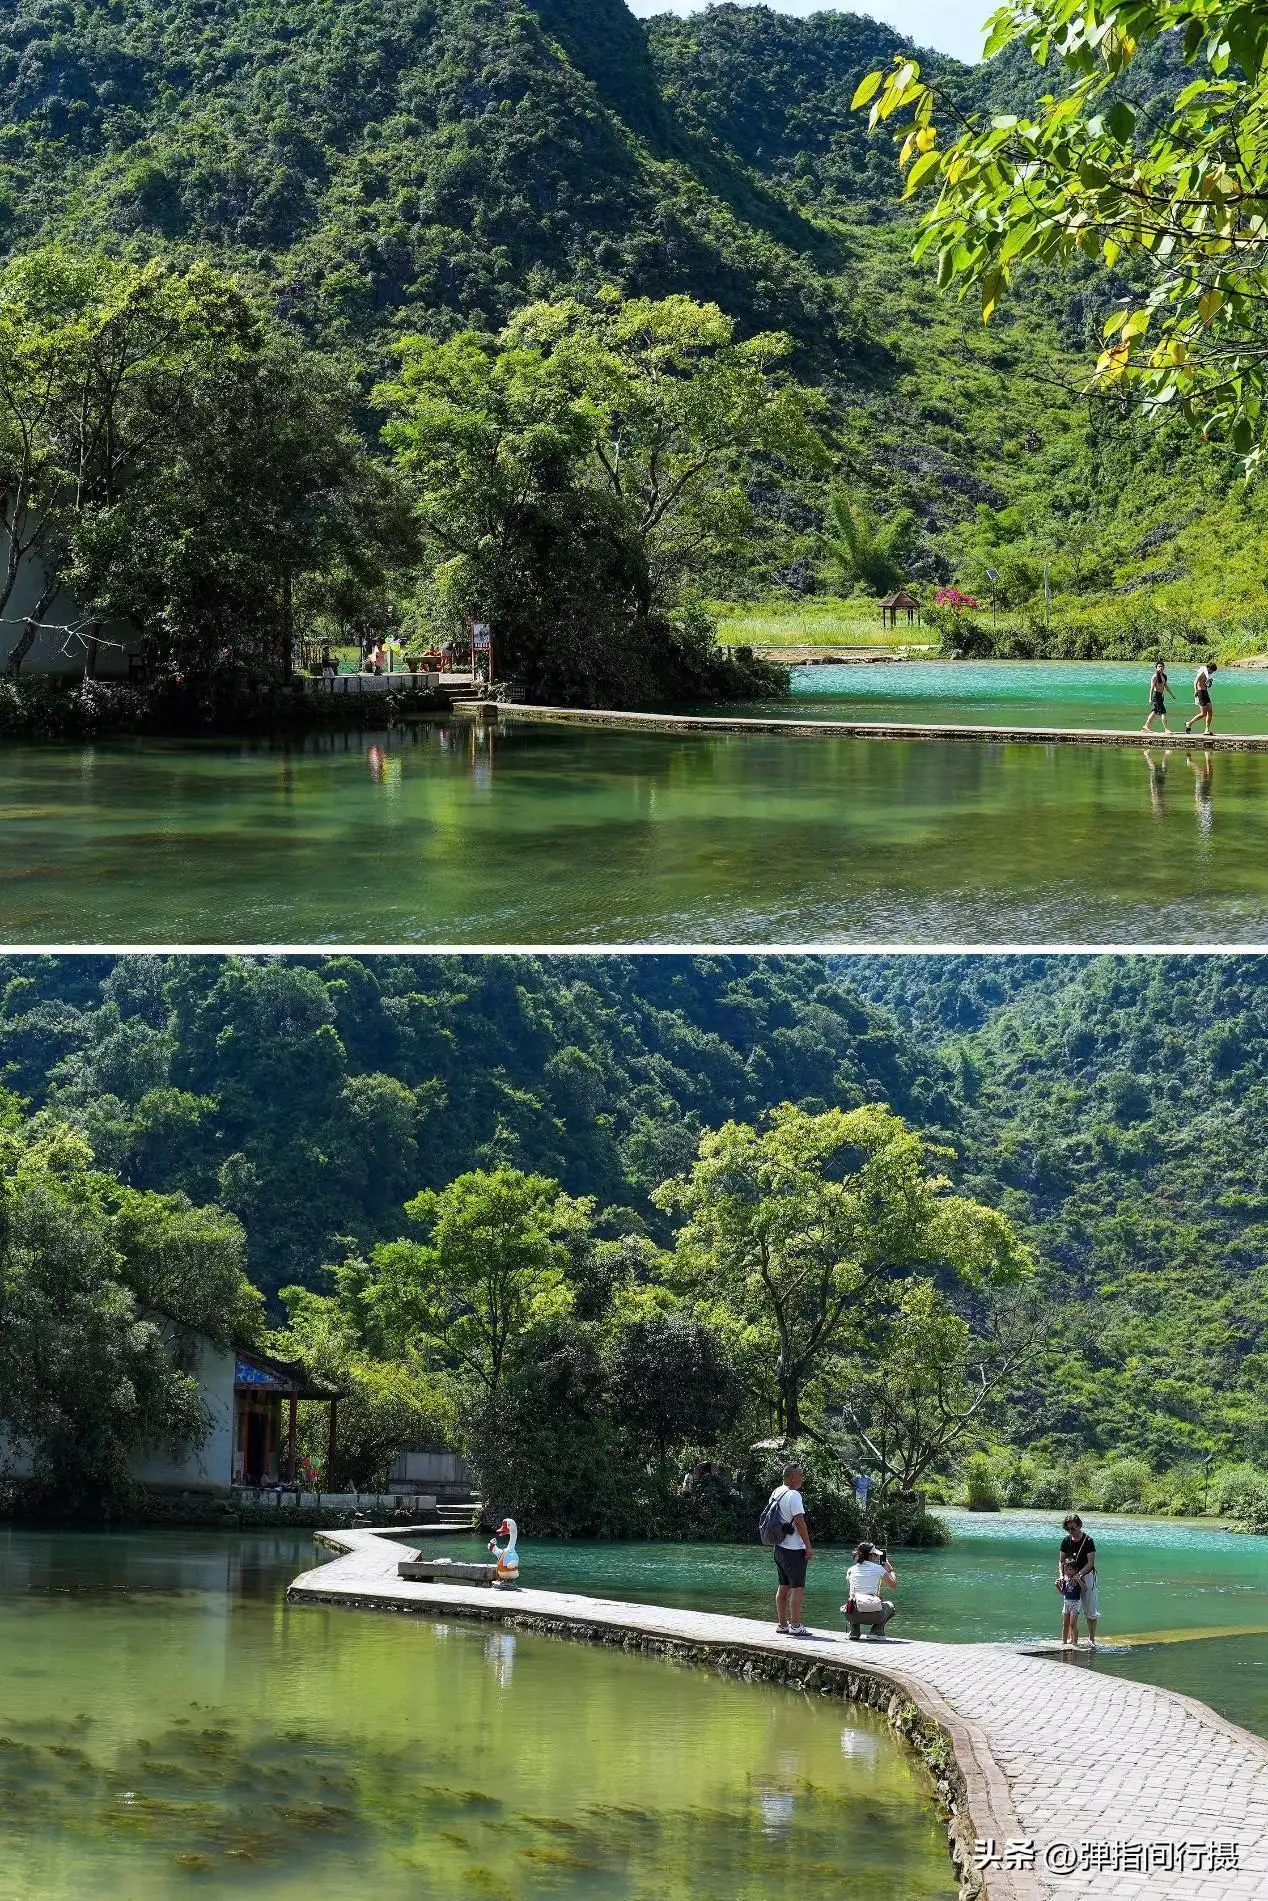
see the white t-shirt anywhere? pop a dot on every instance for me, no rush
(864, 1580)
(789, 1506)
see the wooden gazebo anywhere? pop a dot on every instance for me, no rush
(899, 602)
(264, 1451)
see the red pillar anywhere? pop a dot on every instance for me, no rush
(290, 1441)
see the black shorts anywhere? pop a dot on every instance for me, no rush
(1159, 704)
(1204, 701)
(791, 1566)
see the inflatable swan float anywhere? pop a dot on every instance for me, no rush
(508, 1570)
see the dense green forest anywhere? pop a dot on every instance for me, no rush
(387, 169)
(1111, 1110)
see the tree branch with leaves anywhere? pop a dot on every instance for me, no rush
(1176, 194)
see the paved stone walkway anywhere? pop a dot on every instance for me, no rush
(1052, 1752)
(882, 729)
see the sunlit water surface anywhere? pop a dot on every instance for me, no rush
(1159, 1580)
(169, 1726)
(1105, 694)
(556, 835)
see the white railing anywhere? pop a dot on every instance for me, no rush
(383, 682)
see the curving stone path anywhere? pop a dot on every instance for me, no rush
(1154, 1796)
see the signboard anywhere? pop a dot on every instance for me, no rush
(482, 636)
(244, 1374)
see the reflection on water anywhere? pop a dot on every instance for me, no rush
(455, 833)
(169, 1724)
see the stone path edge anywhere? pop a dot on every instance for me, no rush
(875, 729)
(970, 1790)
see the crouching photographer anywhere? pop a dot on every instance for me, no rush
(864, 1603)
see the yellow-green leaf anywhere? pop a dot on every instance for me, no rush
(866, 89)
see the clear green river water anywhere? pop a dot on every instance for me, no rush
(169, 1726)
(1108, 694)
(552, 835)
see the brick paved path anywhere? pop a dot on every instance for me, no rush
(1051, 1751)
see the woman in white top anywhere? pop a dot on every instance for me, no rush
(863, 1580)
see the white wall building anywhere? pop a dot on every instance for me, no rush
(252, 1399)
(69, 643)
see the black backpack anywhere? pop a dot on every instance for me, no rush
(772, 1526)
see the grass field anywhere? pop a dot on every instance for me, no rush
(813, 623)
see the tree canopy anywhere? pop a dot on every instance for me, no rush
(101, 1288)
(170, 455)
(575, 473)
(1166, 187)
(800, 1231)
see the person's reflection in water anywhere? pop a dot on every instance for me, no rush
(376, 759)
(1157, 782)
(1202, 791)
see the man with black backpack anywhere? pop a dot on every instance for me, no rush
(783, 1527)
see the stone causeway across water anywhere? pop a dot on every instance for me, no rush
(1022, 1748)
(878, 729)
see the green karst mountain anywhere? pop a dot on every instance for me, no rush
(376, 167)
(1114, 1108)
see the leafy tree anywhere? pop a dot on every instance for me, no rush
(801, 1227)
(865, 549)
(97, 1289)
(1166, 190)
(676, 405)
(672, 1382)
(573, 473)
(172, 457)
(492, 1266)
(909, 1402)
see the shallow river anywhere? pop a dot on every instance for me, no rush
(169, 1726)
(551, 835)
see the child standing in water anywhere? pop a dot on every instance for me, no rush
(1071, 1601)
(1158, 691)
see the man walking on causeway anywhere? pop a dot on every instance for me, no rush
(1202, 697)
(792, 1552)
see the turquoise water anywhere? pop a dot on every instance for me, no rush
(994, 1580)
(1160, 1580)
(1107, 693)
(169, 1726)
(542, 835)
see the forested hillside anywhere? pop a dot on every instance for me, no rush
(376, 167)
(1115, 1109)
